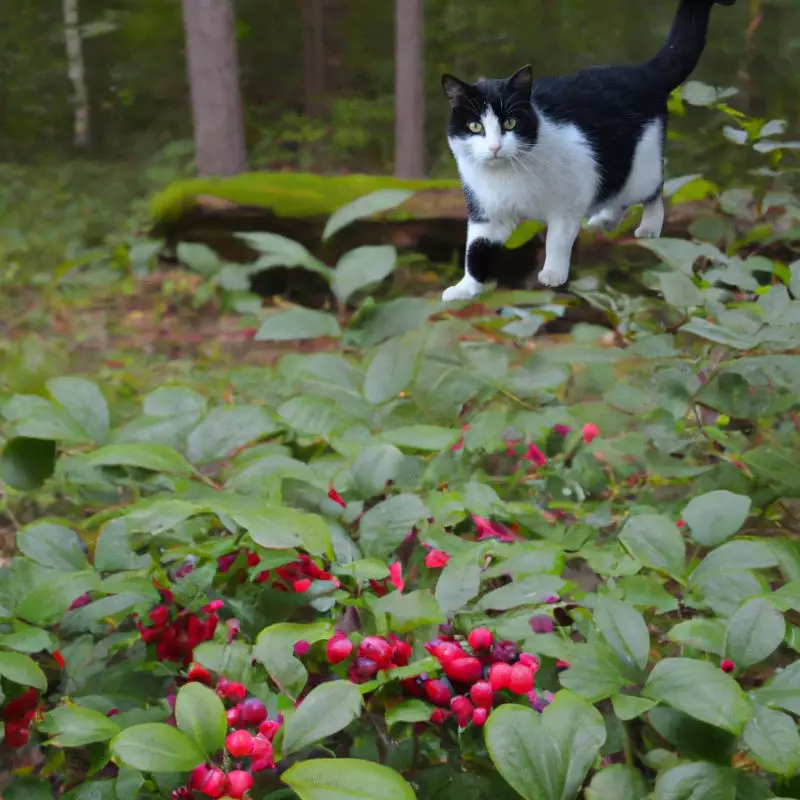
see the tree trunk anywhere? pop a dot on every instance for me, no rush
(213, 67)
(77, 73)
(314, 56)
(409, 106)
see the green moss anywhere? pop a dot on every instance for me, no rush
(287, 194)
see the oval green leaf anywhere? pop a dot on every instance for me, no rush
(624, 630)
(153, 457)
(774, 742)
(200, 714)
(716, 516)
(656, 542)
(22, 669)
(156, 747)
(754, 632)
(346, 779)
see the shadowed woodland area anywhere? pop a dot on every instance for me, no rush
(278, 524)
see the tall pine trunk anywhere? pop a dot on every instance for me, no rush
(213, 67)
(409, 89)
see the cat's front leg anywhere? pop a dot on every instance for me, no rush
(561, 234)
(485, 241)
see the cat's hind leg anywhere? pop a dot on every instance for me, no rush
(485, 241)
(561, 235)
(652, 218)
(608, 218)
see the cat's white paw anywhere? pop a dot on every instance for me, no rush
(605, 221)
(647, 231)
(465, 289)
(553, 277)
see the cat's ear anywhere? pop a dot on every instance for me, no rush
(454, 88)
(521, 80)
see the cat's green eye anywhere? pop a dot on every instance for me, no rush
(509, 124)
(475, 127)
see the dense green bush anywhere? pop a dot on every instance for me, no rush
(360, 534)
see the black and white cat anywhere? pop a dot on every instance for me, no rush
(562, 149)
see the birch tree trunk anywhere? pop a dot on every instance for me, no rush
(409, 89)
(314, 55)
(213, 67)
(76, 72)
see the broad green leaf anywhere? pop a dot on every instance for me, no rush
(280, 527)
(113, 551)
(725, 590)
(28, 639)
(707, 635)
(656, 542)
(595, 672)
(200, 714)
(274, 648)
(374, 467)
(22, 669)
(86, 617)
(528, 591)
(233, 660)
(298, 323)
(76, 726)
(720, 334)
(693, 738)
(754, 632)
(226, 429)
(84, 402)
(362, 268)
(547, 756)
(624, 630)
(53, 546)
(366, 206)
(459, 581)
(199, 258)
(171, 401)
(154, 457)
(33, 417)
(408, 711)
(156, 747)
(700, 690)
(47, 604)
(391, 369)
(774, 742)
(777, 466)
(281, 251)
(715, 517)
(346, 779)
(326, 710)
(740, 554)
(23, 788)
(783, 691)
(128, 785)
(384, 527)
(410, 611)
(628, 707)
(25, 464)
(428, 438)
(617, 782)
(696, 781)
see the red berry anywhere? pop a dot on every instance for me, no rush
(362, 669)
(480, 639)
(198, 776)
(377, 650)
(263, 754)
(479, 716)
(302, 585)
(239, 744)
(499, 676)
(301, 648)
(440, 716)
(338, 649)
(521, 679)
(463, 709)
(215, 783)
(481, 694)
(198, 674)
(727, 666)
(253, 712)
(16, 735)
(529, 660)
(463, 670)
(234, 716)
(438, 692)
(231, 690)
(239, 783)
(269, 728)
(449, 651)
(401, 651)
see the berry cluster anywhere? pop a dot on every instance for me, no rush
(475, 677)
(18, 715)
(297, 576)
(250, 737)
(374, 653)
(175, 631)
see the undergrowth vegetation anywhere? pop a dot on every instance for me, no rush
(442, 559)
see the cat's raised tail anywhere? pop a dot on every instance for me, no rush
(679, 56)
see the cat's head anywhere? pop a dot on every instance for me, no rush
(492, 121)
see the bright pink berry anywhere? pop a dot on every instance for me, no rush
(521, 679)
(198, 674)
(436, 559)
(499, 676)
(479, 716)
(727, 666)
(481, 694)
(239, 783)
(231, 690)
(449, 651)
(529, 660)
(463, 670)
(239, 744)
(302, 585)
(590, 432)
(263, 754)
(214, 605)
(480, 639)
(215, 783)
(269, 728)
(439, 716)
(234, 716)
(253, 711)
(301, 648)
(401, 651)
(438, 692)
(338, 649)
(362, 669)
(377, 650)
(462, 708)
(198, 776)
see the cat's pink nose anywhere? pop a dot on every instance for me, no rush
(494, 149)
